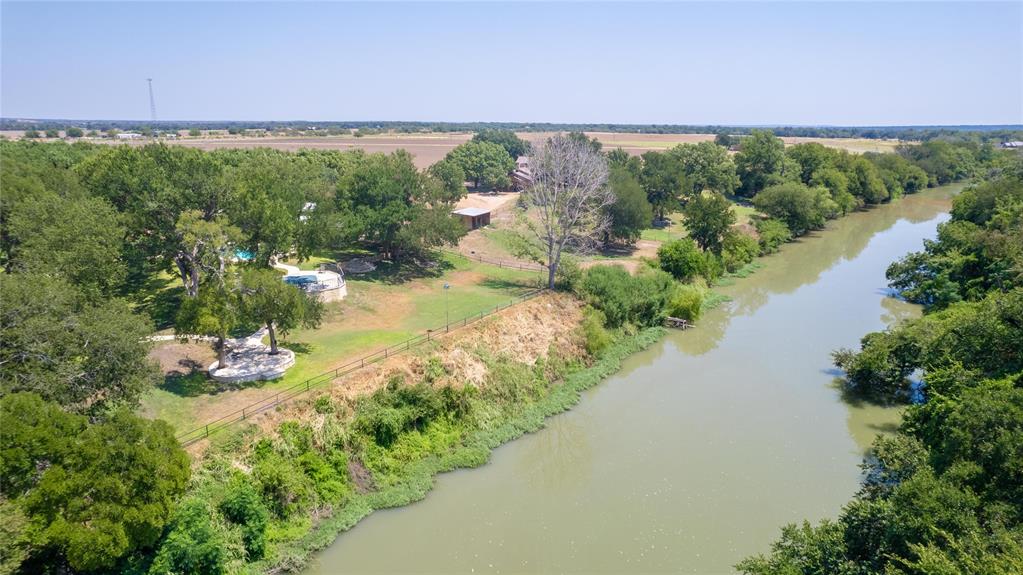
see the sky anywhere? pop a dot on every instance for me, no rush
(821, 63)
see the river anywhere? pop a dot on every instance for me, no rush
(698, 451)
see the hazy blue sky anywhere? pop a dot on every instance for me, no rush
(728, 63)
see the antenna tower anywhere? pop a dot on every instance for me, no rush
(152, 102)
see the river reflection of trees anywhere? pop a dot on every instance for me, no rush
(803, 261)
(560, 457)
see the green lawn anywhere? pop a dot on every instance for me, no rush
(382, 308)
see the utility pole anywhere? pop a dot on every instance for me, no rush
(152, 102)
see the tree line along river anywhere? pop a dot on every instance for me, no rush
(699, 450)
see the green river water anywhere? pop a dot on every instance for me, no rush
(697, 452)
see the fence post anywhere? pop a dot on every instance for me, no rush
(243, 413)
(207, 430)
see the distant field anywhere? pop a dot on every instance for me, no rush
(430, 148)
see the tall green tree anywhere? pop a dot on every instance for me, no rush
(630, 213)
(278, 306)
(394, 205)
(486, 164)
(663, 180)
(801, 208)
(759, 161)
(87, 356)
(92, 493)
(706, 166)
(507, 139)
(213, 312)
(708, 217)
(78, 239)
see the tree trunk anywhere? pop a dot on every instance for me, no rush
(221, 353)
(193, 288)
(273, 338)
(552, 266)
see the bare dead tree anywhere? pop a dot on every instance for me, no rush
(570, 194)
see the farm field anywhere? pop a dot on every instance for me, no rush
(429, 148)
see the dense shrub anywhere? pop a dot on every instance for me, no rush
(625, 299)
(800, 207)
(773, 233)
(686, 302)
(683, 259)
(197, 543)
(243, 506)
(738, 249)
(595, 335)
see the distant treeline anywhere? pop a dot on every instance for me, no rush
(982, 133)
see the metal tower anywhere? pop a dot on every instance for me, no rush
(152, 102)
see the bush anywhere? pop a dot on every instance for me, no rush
(196, 544)
(625, 299)
(738, 249)
(242, 506)
(686, 303)
(595, 336)
(682, 259)
(773, 233)
(801, 208)
(283, 485)
(568, 275)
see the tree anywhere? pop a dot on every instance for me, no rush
(213, 312)
(583, 139)
(760, 156)
(570, 195)
(74, 132)
(706, 167)
(92, 493)
(270, 191)
(484, 163)
(507, 139)
(205, 246)
(279, 306)
(682, 259)
(52, 133)
(801, 208)
(724, 140)
(196, 543)
(32, 134)
(663, 180)
(395, 205)
(194, 132)
(708, 217)
(84, 356)
(630, 213)
(865, 182)
(812, 157)
(620, 159)
(79, 239)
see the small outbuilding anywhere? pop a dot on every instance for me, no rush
(474, 218)
(1014, 145)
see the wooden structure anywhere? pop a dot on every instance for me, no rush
(473, 218)
(677, 323)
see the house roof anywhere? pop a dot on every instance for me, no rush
(471, 212)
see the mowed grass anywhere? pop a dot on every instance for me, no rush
(383, 308)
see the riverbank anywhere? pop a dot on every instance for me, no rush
(698, 449)
(472, 452)
(323, 465)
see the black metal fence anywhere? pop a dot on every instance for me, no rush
(284, 395)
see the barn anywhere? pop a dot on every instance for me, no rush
(474, 218)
